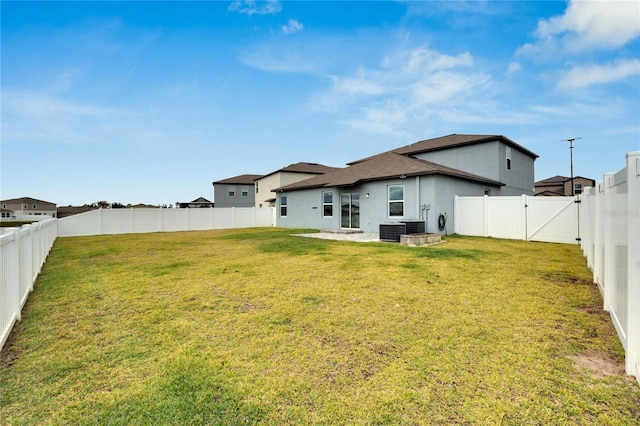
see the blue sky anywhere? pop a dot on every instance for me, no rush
(152, 101)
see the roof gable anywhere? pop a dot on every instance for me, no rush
(452, 141)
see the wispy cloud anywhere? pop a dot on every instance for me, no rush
(584, 76)
(293, 26)
(251, 7)
(587, 25)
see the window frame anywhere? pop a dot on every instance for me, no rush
(508, 157)
(394, 201)
(284, 204)
(231, 190)
(244, 190)
(327, 204)
(577, 188)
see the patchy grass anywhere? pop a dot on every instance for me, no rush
(259, 327)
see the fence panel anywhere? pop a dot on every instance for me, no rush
(505, 217)
(23, 251)
(469, 216)
(549, 219)
(126, 221)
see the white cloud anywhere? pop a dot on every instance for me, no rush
(513, 68)
(584, 76)
(588, 25)
(292, 26)
(251, 7)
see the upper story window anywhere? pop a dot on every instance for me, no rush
(508, 158)
(245, 190)
(283, 206)
(231, 190)
(25, 206)
(577, 188)
(396, 200)
(327, 204)
(35, 206)
(256, 187)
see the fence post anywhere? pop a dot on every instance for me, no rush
(633, 265)
(525, 223)
(485, 216)
(598, 239)
(608, 281)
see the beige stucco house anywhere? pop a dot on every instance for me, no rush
(265, 185)
(27, 208)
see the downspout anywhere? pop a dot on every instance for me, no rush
(418, 210)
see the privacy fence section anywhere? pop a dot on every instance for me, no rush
(611, 243)
(548, 219)
(135, 221)
(22, 253)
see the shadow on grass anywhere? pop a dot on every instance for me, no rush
(190, 391)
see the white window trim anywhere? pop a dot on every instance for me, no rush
(327, 204)
(285, 205)
(244, 190)
(231, 190)
(389, 201)
(509, 160)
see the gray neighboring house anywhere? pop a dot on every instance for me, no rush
(237, 191)
(414, 182)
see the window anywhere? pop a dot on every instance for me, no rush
(487, 191)
(25, 206)
(327, 204)
(35, 206)
(256, 187)
(508, 158)
(232, 190)
(396, 200)
(283, 206)
(577, 188)
(245, 190)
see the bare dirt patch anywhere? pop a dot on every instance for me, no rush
(598, 365)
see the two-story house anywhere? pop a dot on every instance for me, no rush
(558, 186)
(266, 185)
(237, 191)
(27, 208)
(414, 182)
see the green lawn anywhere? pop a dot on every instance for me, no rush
(256, 326)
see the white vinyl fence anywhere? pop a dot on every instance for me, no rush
(548, 219)
(611, 243)
(22, 253)
(136, 221)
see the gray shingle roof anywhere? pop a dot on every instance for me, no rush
(303, 167)
(387, 165)
(241, 179)
(454, 140)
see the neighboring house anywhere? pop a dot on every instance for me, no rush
(266, 185)
(27, 208)
(65, 211)
(414, 182)
(558, 186)
(199, 202)
(238, 191)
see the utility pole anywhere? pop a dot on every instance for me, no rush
(573, 193)
(571, 140)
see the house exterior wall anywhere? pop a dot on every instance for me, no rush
(577, 180)
(222, 198)
(30, 207)
(266, 185)
(489, 160)
(305, 208)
